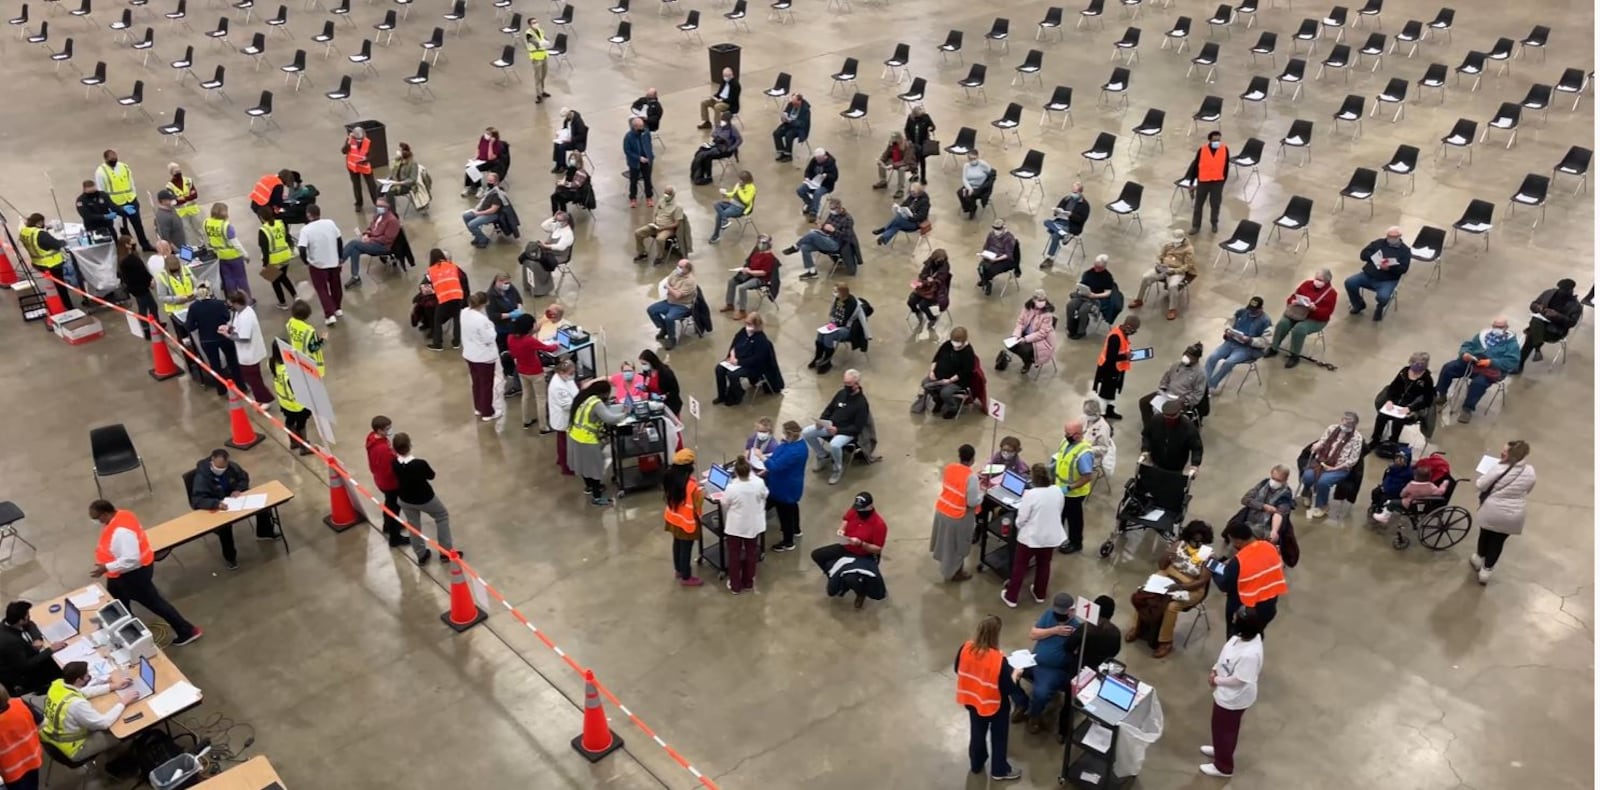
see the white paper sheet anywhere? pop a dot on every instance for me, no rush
(1158, 584)
(1487, 463)
(89, 598)
(1097, 738)
(1397, 412)
(1011, 342)
(252, 502)
(79, 650)
(179, 696)
(1022, 659)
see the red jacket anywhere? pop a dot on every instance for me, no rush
(525, 350)
(1323, 300)
(380, 458)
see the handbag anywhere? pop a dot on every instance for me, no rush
(1297, 313)
(929, 148)
(1483, 496)
(1002, 361)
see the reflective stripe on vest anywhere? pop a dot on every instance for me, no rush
(19, 742)
(1068, 478)
(217, 239)
(953, 496)
(278, 251)
(585, 427)
(122, 519)
(446, 281)
(43, 259)
(55, 715)
(1260, 573)
(119, 183)
(262, 194)
(192, 207)
(282, 388)
(978, 679)
(682, 517)
(182, 285)
(534, 38)
(1123, 365)
(1213, 164)
(303, 338)
(355, 160)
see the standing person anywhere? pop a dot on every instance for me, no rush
(449, 284)
(1074, 475)
(295, 416)
(955, 516)
(116, 180)
(380, 461)
(986, 686)
(231, 257)
(71, 724)
(1502, 505)
(1252, 579)
(185, 197)
(482, 357)
(137, 280)
(250, 347)
(356, 160)
(377, 239)
(525, 348)
(303, 337)
(1113, 365)
(123, 556)
(684, 500)
(539, 55)
(744, 514)
(640, 156)
(207, 319)
(96, 209)
(919, 133)
(724, 100)
(785, 474)
(1039, 518)
(175, 290)
(591, 412)
(216, 478)
(169, 226)
(21, 753)
(276, 252)
(47, 253)
(1233, 690)
(415, 479)
(1208, 174)
(319, 244)
(558, 409)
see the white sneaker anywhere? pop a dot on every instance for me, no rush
(1484, 574)
(330, 320)
(1210, 769)
(1208, 750)
(1007, 601)
(1316, 512)
(1476, 562)
(1382, 516)
(338, 313)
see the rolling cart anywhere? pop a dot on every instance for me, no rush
(711, 521)
(1105, 743)
(639, 450)
(1000, 524)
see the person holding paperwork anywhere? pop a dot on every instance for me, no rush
(1554, 313)
(27, 661)
(737, 202)
(1179, 584)
(755, 274)
(1033, 339)
(1055, 660)
(1404, 400)
(1485, 359)
(909, 214)
(998, 256)
(930, 289)
(821, 174)
(751, 357)
(218, 479)
(124, 558)
(986, 685)
(1184, 382)
(1503, 489)
(1305, 313)
(1233, 690)
(1175, 265)
(71, 723)
(1244, 340)
(1266, 508)
(1383, 263)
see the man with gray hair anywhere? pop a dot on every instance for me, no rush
(1383, 263)
(1265, 508)
(842, 421)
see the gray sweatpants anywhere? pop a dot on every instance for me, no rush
(441, 523)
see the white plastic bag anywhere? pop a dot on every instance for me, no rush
(1140, 729)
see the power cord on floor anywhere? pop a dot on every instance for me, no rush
(220, 732)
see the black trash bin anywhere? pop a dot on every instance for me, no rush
(723, 56)
(378, 155)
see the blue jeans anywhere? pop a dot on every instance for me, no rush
(1058, 233)
(1477, 383)
(474, 221)
(823, 445)
(1324, 484)
(1047, 682)
(1221, 361)
(1356, 282)
(353, 251)
(811, 198)
(900, 224)
(726, 211)
(666, 315)
(815, 241)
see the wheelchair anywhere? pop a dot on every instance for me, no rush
(1151, 489)
(1437, 524)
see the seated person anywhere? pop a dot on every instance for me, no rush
(408, 178)
(667, 224)
(739, 202)
(1172, 442)
(679, 292)
(1397, 477)
(1097, 291)
(842, 421)
(1184, 562)
(1244, 340)
(1383, 263)
(1485, 359)
(1184, 381)
(1100, 641)
(895, 160)
(1266, 508)
(573, 187)
(423, 305)
(27, 662)
(1033, 339)
(552, 320)
(846, 323)
(661, 381)
(495, 155)
(1306, 312)
(487, 212)
(541, 258)
(999, 255)
(649, 108)
(377, 239)
(822, 174)
(930, 289)
(760, 444)
(1056, 660)
(724, 142)
(71, 723)
(862, 536)
(757, 271)
(1065, 222)
(626, 384)
(750, 357)
(1329, 461)
(1097, 431)
(572, 136)
(977, 184)
(911, 214)
(794, 126)
(835, 236)
(216, 478)
(1174, 267)
(1410, 398)
(949, 376)
(1555, 313)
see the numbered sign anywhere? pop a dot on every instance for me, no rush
(997, 410)
(694, 406)
(1086, 610)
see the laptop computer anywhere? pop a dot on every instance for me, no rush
(145, 684)
(1118, 692)
(65, 628)
(1010, 489)
(186, 254)
(564, 339)
(717, 478)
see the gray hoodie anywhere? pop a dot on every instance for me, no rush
(170, 227)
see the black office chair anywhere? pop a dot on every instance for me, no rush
(1338, 59)
(1501, 52)
(1298, 136)
(857, 111)
(1538, 99)
(1128, 44)
(1294, 73)
(999, 31)
(1179, 32)
(1031, 66)
(1428, 247)
(1150, 129)
(262, 110)
(1210, 112)
(1462, 136)
(966, 142)
(1538, 38)
(1092, 13)
(1393, 93)
(1308, 32)
(1210, 52)
(1363, 183)
(914, 94)
(1376, 45)
(1410, 33)
(895, 64)
(1572, 81)
(175, 129)
(690, 28)
(1249, 158)
(1472, 66)
(1105, 144)
(1052, 21)
(113, 453)
(1060, 102)
(1335, 20)
(1296, 216)
(342, 94)
(780, 88)
(1267, 45)
(1010, 122)
(846, 74)
(1506, 119)
(622, 40)
(1118, 84)
(1255, 93)
(1030, 174)
(952, 43)
(1223, 18)
(1351, 111)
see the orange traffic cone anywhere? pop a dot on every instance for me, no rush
(344, 515)
(244, 434)
(161, 357)
(8, 274)
(464, 612)
(52, 299)
(597, 739)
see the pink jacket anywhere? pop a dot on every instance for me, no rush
(1415, 490)
(1037, 327)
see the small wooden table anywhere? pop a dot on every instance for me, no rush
(254, 774)
(197, 524)
(167, 673)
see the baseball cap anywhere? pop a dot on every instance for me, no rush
(166, 194)
(1256, 303)
(863, 502)
(1062, 603)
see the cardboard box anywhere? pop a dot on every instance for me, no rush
(76, 327)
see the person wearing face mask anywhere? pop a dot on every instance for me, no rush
(47, 253)
(1185, 564)
(539, 55)
(357, 150)
(977, 184)
(1252, 578)
(450, 286)
(1330, 460)
(759, 271)
(295, 416)
(909, 215)
(930, 289)
(1555, 313)
(724, 101)
(1184, 382)
(250, 347)
(479, 351)
(846, 418)
(380, 461)
(377, 239)
(919, 131)
(205, 322)
(590, 413)
(505, 306)
(668, 223)
(572, 136)
(737, 202)
(1208, 175)
(785, 474)
(27, 661)
(1383, 263)
(760, 443)
(277, 251)
(660, 381)
(540, 258)
(1097, 431)
(217, 478)
(409, 179)
(115, 179)
(494, 155)
(725, 141)
(558, 409)
(820, 177)
(526, 351)
(640, 154)
(185, 199)
(950, 376)
(998, 256)
(1502, 505)
(627, 384)
(1306, 312)
(1485, 358)
(1097, 292)
(1171, 441)
(955, 515)
(1174, 270)
(1112, 367)
(1074, 475)
(124, 558)
(1244, 340)
(835, 236)
(169, 226)
(1411, 396)
(1267, 509)
(1033, 339)
(750, 357)
(96, 210)
(847, 322)
(794, 126)
(223, 240)
(680, 291)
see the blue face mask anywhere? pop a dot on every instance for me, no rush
(627, 375)
(1215, 144)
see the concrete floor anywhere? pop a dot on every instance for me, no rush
(1386, 669)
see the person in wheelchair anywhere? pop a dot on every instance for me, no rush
(1422, 486)
(949, 377)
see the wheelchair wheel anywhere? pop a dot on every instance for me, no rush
(1401, 542)
(1444, 527)
(1106, 549)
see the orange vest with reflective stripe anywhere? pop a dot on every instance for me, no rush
(20, 751)
(1213, 164)
(355, 158)
(953, 497)
(1260, 573)
(682, 517)
(1123, 365)
(978, 679)
(446, 281)
(263, 191)
(123, 519)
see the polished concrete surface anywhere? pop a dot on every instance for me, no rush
(1385, 669)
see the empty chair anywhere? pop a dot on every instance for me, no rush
(94, 80)
(781, 11)
(342, 12)
(175, 129)
(1428, 247)
(690, 26)
(325, 38)
(1374, 9)
(1363, 183)
(1010, 122)
(739, 16)
(1575, 164)
(1462, 136)
(999, 31)
(457, 15)
(1052, 21)
(1127, 203)
(363, 57)
(341, 94)
(1030, 67)
(1335, 21)
(1210, 112)
(1534, 191)
(1150, 129)
(280, 23)
(1222, 20)
(1179, 33)
(512, 27)
(1538, 38)
(1472, 66)
(566, 18)
(1411, 33)
(1247, 8)
(1403, 163)
(179, 14)
(780, 88)
(622, 40)
(1118, 84)
(434, 45)
(1267, 45)
(1374, 48)
(915, 94)
(122, 24)
(112, 453)
(1243, 241)
(1105, 144)
(974, 80)
(1338, 58)
(1127, 46)
(406, 5)
(620, 8)
(135, 101)
(1256, 91)
(1505, 119)
(1060, 102)
(20, 21)
(966, 141)
(857, 111)
(1478, 219)
(952, 44)
(419, 80)
(64, 56)
(248, 7)
(1538, 99)
(84, 10)
(295, 68)
(895, 65)
(1393, 93)
(219, 34)
(185, 64)
(558, 51)
(1307, 34)
(507, 63)
(1030, 175)
(1299, 136)
(1443, 21)
(146, 45)
(1249, 158)
(216, 83)
(1434, 77)
(262, 111)
(1351, 111)
(1296, 216)
(1294, 73)
(1207, 59)
(1091, 13)
(1502, 51)
(257, 49)
(846, 73)
(386, 27)
(1572, 81)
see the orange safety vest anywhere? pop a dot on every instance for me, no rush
(123, 519)
(978, 679)
(953, 497)
(1123, 365)
(682, 517)
(446, 281)
(355, 157)
(262, 194)
(1213, 164)
(20, 751)
(1260, 573)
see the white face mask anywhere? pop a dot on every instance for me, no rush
(763, 437)
(1007, 454)
(1187, 360)
(1275, 484)
(958, 346)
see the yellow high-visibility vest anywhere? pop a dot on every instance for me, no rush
(278, 251)
(217, 238)
(285, 393)
(182, 285)
(55, 716)
(192, 207)
(535, 40)
(1067, 476)
(303, 338)
(119, 182)
(585, 427)
(44, 259)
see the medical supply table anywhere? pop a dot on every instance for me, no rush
(1000, 524)
(639, 451)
